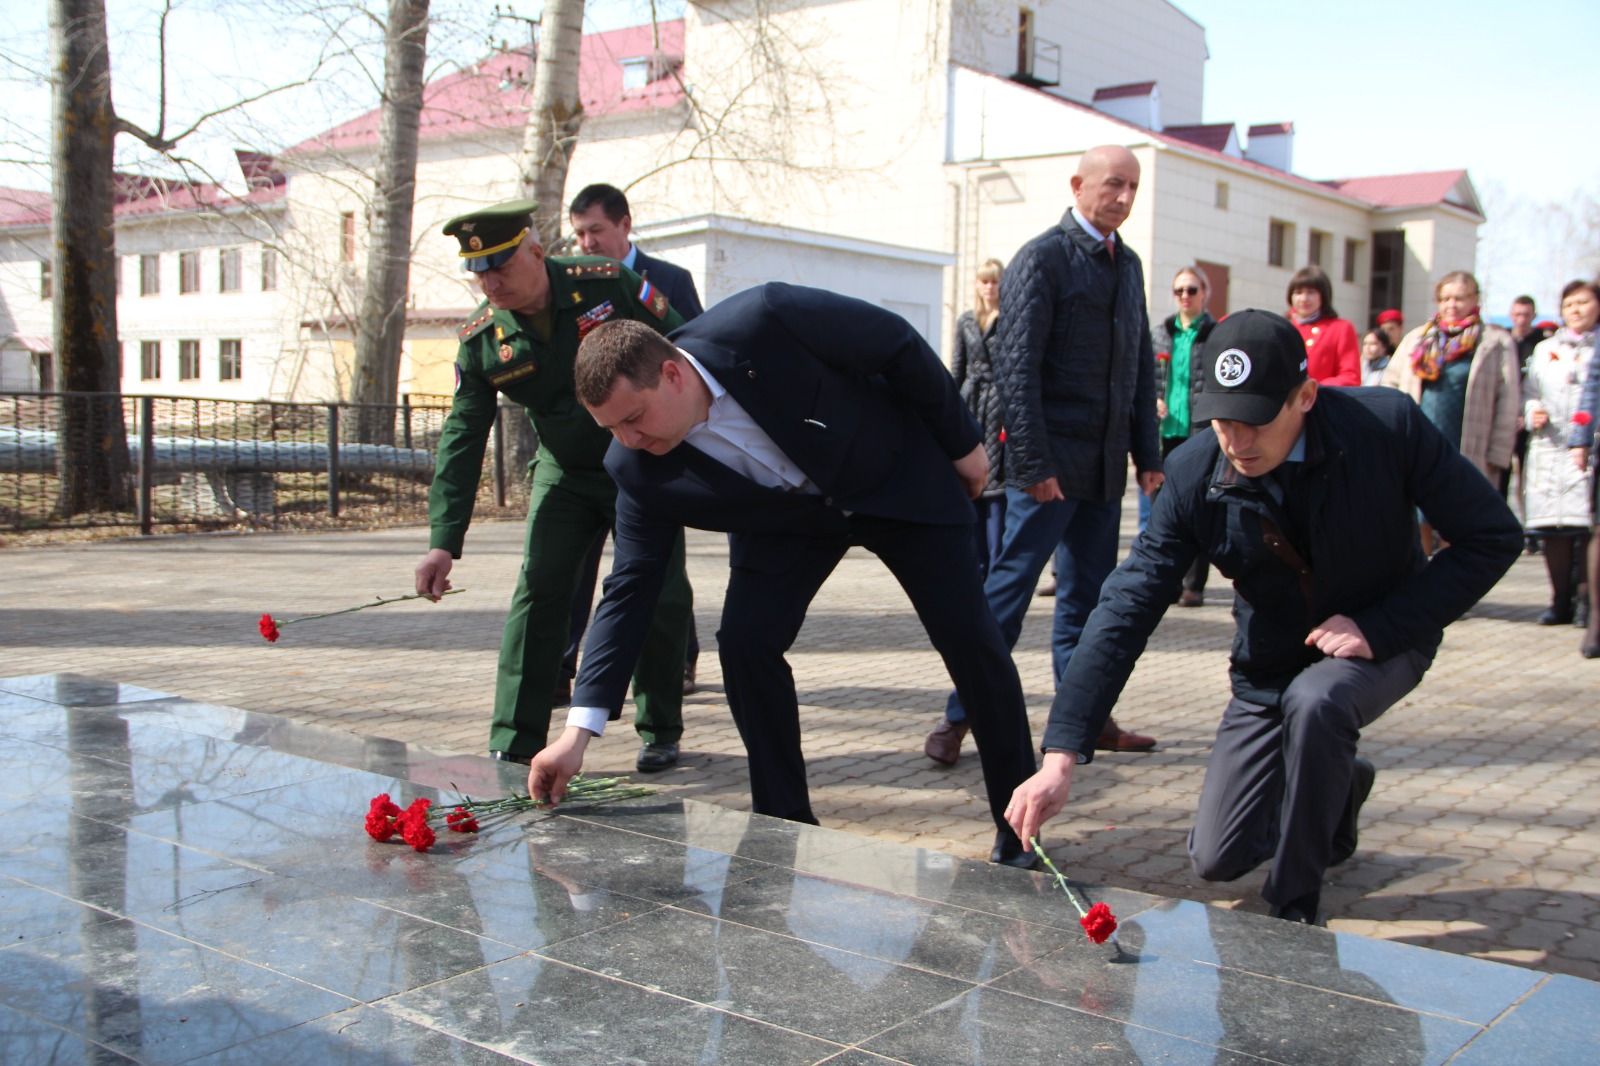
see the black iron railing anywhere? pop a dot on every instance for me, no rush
(199, 463)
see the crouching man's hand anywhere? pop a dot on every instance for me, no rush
(1041, 797)
(557, 764)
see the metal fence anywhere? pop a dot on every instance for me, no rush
(214, 464)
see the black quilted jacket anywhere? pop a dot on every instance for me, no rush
(973, 370)
(1073, 356)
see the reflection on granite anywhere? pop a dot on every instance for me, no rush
(191, 884)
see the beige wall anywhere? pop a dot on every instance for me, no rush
(1102, 44)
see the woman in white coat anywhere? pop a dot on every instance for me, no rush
(1555, 491)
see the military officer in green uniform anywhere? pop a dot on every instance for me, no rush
(521, 342)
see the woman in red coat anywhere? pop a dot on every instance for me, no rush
(1333, 355)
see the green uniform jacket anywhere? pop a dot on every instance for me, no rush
(500, 352)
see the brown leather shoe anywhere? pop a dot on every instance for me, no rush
(1046, 587)
(1114, 738)
(1191, 598)
(943, 745)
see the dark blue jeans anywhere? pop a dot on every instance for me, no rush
(1083, 536)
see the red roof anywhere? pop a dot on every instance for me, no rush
(1212, 135)
(494, 93)
(1407, 190)
(1137, 88)
(22, 207)
(136, 196)
(1267, 129)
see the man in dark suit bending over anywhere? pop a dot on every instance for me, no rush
(802, 423)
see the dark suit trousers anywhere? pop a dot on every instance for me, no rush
(937, 567)
(1278, 781)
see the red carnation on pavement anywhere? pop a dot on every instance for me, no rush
(269, 628)
(413, 825)
(461, 820)
(1099, 923)
(381, 815)
(1582, 418)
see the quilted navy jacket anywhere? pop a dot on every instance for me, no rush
(1072, 352)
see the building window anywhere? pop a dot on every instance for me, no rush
(1222, 196)
(230, 360)
(149, 360)
(269, 269)
(228, 270)
(188, 272)
(347, 237)
(635, 72)
(46, 280)
(1352, 250)
(149, 275)
(1280, 242)
(1316, 255)
(188, 360)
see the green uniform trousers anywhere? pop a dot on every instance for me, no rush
(567, 510)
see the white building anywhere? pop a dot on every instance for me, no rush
(200, 311)
(881, 148)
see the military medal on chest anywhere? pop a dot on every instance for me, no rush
(594, 316)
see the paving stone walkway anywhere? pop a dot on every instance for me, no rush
(1482, 835)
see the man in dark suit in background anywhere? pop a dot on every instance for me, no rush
(802, 423)
(602, 224)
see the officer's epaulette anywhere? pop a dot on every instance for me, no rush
(580, 269)
(477, 324)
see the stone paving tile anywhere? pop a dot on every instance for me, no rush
(1481, 837)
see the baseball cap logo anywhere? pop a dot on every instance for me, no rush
(1232, 368)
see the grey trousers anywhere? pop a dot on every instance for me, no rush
(1278, 781)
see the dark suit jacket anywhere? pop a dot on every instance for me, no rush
(850, 393)
(673, 280)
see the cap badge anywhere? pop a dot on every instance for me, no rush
(505, 353)
(1233, 368)
(467, 227)
(475, 243)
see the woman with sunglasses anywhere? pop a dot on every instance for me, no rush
(1177, 341)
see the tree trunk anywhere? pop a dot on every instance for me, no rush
(381, 325)
(93, 443)
(552, 130)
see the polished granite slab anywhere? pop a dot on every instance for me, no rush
(190, 883)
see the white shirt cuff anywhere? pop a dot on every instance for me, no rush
(591, 718)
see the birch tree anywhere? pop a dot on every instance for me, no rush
(555, 115)
(380, 326)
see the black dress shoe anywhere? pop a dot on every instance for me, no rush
(1362, 774)
(1305, 910)
(1555, 616)
(654, 758)
(1008, 852)
(506, 756)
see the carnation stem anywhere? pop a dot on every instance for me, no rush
(378, 602)
(1061, 880)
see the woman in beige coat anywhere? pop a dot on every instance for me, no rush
(1464, 374)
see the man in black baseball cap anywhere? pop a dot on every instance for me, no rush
(1307, 500)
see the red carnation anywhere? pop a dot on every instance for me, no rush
(1582, 418)
(413, 825)
(1099, 923)
(461, 820)
(269, 628)
(381, 814)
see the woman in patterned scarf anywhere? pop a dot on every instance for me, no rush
(1464, 374)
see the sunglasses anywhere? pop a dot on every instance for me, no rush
(1186, 290)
